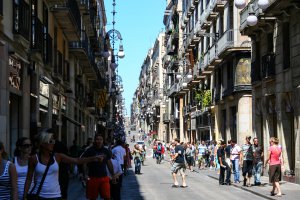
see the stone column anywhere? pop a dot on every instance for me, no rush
(244, 118)
(4, 96)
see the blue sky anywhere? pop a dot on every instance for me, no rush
(139, 22)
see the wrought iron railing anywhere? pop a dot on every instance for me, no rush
(21, 18)
(75, 12)
(37, 34)
(83, 43)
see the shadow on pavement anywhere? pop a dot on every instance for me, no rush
(131, 188)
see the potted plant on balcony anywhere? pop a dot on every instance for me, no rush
(206, 100)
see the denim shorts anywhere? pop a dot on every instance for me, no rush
(178, 167)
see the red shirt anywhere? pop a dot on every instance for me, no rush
(275, 153)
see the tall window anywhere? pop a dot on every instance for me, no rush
(230, 17)
(270, 42)
(201, 2)
(286, 44)
(196, 13)
(221, 24)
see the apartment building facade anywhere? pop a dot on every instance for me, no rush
(275, 76)
(50, 77)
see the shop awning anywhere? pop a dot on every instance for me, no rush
(72, 121)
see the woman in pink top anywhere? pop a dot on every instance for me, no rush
(275, 161)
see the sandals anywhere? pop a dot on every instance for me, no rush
(175, 186)
(184, 186)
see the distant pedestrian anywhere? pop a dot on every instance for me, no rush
(235, 159)
(223, 165)
(247, 161)
(179, 164)
(275, 160)
(227, 152)
(189, 156)
(137, 157)
(8, 177)
(258, 161)
(74, 153)
(202, 148)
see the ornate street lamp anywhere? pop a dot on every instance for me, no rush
(114, 35)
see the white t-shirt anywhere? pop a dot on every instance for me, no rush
(235, 152)
(116, 166)
(119, 152)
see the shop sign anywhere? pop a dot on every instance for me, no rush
(15, 73)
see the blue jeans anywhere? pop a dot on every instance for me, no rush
(257, 171)
(236, 171)
(137, 164)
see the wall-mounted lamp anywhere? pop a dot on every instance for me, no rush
(251, 19)
(240, 4)
(178, 76)
(121, 53)
(184, 84)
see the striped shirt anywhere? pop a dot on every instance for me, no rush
(5, 184)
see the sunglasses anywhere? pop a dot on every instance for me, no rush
(51, 141)
(27, 146)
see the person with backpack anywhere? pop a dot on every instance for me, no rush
(158, 153)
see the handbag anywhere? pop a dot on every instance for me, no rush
(32, 196)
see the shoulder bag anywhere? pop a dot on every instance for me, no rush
(32, 196)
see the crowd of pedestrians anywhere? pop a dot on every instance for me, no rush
(227, 158)
(35, 170)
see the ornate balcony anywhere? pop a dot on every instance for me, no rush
(232, 41)
(21, 21)
(173, 90)
(89, 16)
(68, 17)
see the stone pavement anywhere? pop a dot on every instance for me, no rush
(289, 190)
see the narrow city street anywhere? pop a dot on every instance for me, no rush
(155, 183)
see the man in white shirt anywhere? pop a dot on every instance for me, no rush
(120, 153)
(235, 158)
(115, 187)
